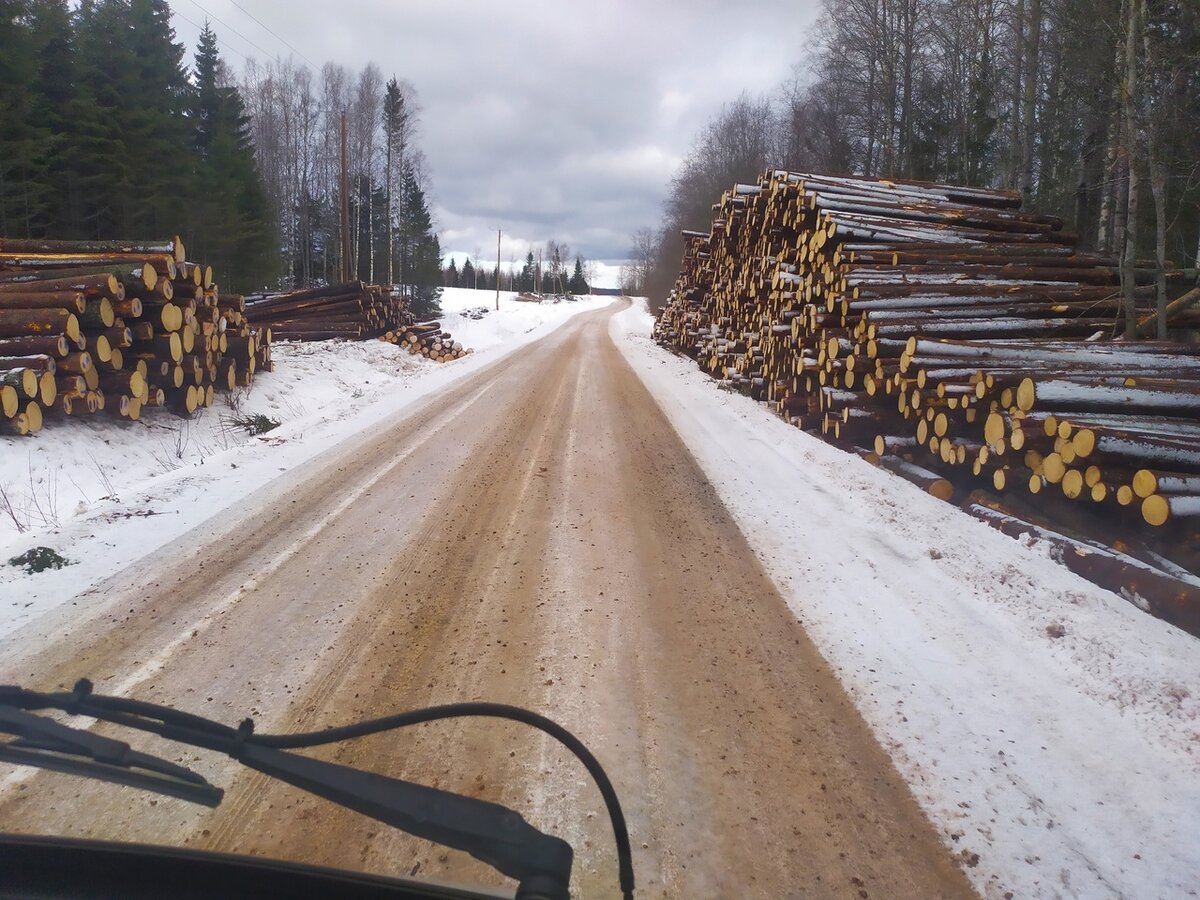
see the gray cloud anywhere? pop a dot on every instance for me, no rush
(559, 120)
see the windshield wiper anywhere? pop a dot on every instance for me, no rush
(492, 833)
(46, 744)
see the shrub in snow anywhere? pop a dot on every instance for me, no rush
(39, 559)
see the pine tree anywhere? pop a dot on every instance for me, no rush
(467, 279)
(451, 276)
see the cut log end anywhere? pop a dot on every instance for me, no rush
(1155, 510)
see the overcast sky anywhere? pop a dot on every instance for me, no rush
(550, 120)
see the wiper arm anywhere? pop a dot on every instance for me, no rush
(46, 744)
(491, 833)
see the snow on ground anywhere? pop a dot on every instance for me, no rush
(1070, 765)
(106, 492)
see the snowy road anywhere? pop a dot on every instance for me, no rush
(535, 533)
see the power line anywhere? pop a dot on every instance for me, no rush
(260, 49)
(224, 44)
(276, 36)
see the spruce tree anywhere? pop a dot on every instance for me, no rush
(526, 281)
(428, 266)
(419, 250)
(451, 277)
(468, 274)
(56, 92)
(22, 141)
(95, 162)
(578, 283)
(229, 226)
(152, 114)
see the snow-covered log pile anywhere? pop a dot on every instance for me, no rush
(115, 327)
(352, 311)
(965, 344)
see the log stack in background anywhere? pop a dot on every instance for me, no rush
(968, 346)
(429, 340)
(351, 311)
(115, 327)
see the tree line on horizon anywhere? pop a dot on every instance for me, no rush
(1086, 107)
(550, 276)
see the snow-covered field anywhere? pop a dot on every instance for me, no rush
(104, 492)
(1049, 728)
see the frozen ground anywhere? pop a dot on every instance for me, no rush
(1056, 766)
(104, 492)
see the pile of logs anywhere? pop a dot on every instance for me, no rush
(427, 339)
(351, 311)
(967, 345)
(115, 327)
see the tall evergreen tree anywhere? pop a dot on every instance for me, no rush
(419, 249)
(22, 159)
(56, 90)
(578, 283)
(526, 281)
(95, 164)
(153, 116)
(230, 227)
(103, 134)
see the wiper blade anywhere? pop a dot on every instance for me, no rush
(47, 744)
(489, 832)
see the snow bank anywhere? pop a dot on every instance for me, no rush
(106, 492)
(516, 317)
(1043, 723)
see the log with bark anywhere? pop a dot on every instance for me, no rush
(945, 332)
(111, 321)
(351, 311)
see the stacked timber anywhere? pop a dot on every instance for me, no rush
(354, 311)
(960, 341)
(115, 327)
(351, 311)
(427, 339)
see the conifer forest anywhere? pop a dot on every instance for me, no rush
(105, 132)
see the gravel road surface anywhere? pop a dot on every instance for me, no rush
(534, 534)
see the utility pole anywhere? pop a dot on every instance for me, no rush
(345, 209)
(497, 270)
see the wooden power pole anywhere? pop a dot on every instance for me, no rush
(497, 270)
(345, 209)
